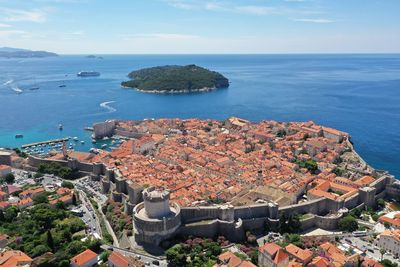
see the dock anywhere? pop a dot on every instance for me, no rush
(45, 142)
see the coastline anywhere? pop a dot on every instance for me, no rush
(205, 89)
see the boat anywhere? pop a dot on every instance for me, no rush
(93, 141)
(76, 139)
(60, 127)
(34, 88)
(62, 86)
(82, 142)
(88, 74)
(19, 136)
(103, 145)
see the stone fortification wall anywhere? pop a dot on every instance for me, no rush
(352, 202)
(381, 183)
(125, 133)
(103, 129)
(233, 230)
(323, 222)
(316, 206)
(35, 161)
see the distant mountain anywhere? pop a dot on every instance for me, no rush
(9, 52)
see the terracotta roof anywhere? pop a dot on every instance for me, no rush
(84, 257)
(118, 259)
(14, 258)
(230, 259)
(302, 254)
(369, 262)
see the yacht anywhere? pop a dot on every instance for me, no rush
(19, 136)
(88, 74)
(60, 127)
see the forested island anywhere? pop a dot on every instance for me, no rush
(175, 79)
(8, 52)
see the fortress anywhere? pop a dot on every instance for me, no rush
(160, 186)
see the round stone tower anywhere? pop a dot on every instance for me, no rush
(155, 219)
(156, 203)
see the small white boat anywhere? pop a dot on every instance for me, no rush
(60, 127)
(76, 139)
(82, 142)
(103, 145)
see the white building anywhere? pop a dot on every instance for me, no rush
(390, 241)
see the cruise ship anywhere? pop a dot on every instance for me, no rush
(88, 73)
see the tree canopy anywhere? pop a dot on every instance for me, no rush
(175, 78)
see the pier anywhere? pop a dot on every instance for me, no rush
(45, 142)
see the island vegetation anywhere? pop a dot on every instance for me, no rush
(173, 78)
(8, 52)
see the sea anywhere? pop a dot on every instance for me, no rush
(355, 93)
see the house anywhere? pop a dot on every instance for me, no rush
(3, 196)
(228, 259)
(4, 170)
(4, 205)
(301, 255)
(25, 203)
(392, 218)
(116, 259)
(320, 262)
(14, 258)
(85, 259)
(3, 240)
(389, 240)
(369, 262)
(272, 255)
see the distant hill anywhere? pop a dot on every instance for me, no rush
(9, 52)
(173, 78)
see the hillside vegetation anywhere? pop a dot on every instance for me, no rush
(173, 78)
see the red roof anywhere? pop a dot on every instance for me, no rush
(84, 257)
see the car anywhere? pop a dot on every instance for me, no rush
(156, 262)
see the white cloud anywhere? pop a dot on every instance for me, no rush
(2, 25)
(11, 33)
(160, 36)
(320, 21)
(33, 15)
(255, 10)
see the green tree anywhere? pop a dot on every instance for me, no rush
(388, 263)
(175, 255)
(50, 241)
(10, 213)
(104, 255)
(40, 198)
(380, 202)
(67, 184)
(348, 223)
(9, 178)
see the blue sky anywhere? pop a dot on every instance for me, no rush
(201, 26)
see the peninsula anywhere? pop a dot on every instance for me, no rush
(8, 52)
(175, 79)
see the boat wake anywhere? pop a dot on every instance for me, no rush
(107, 107)
(8, 82)
(16, 89)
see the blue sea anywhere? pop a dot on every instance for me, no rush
(359, 94)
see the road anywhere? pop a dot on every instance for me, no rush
(147, 259)
(364, 246)
(89, 215)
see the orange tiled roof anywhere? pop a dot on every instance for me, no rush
(12, 258)
(84, 257)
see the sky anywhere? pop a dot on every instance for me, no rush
(201, 26)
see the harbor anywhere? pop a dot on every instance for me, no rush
(59, 140)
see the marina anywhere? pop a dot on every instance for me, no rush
(59, 140)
